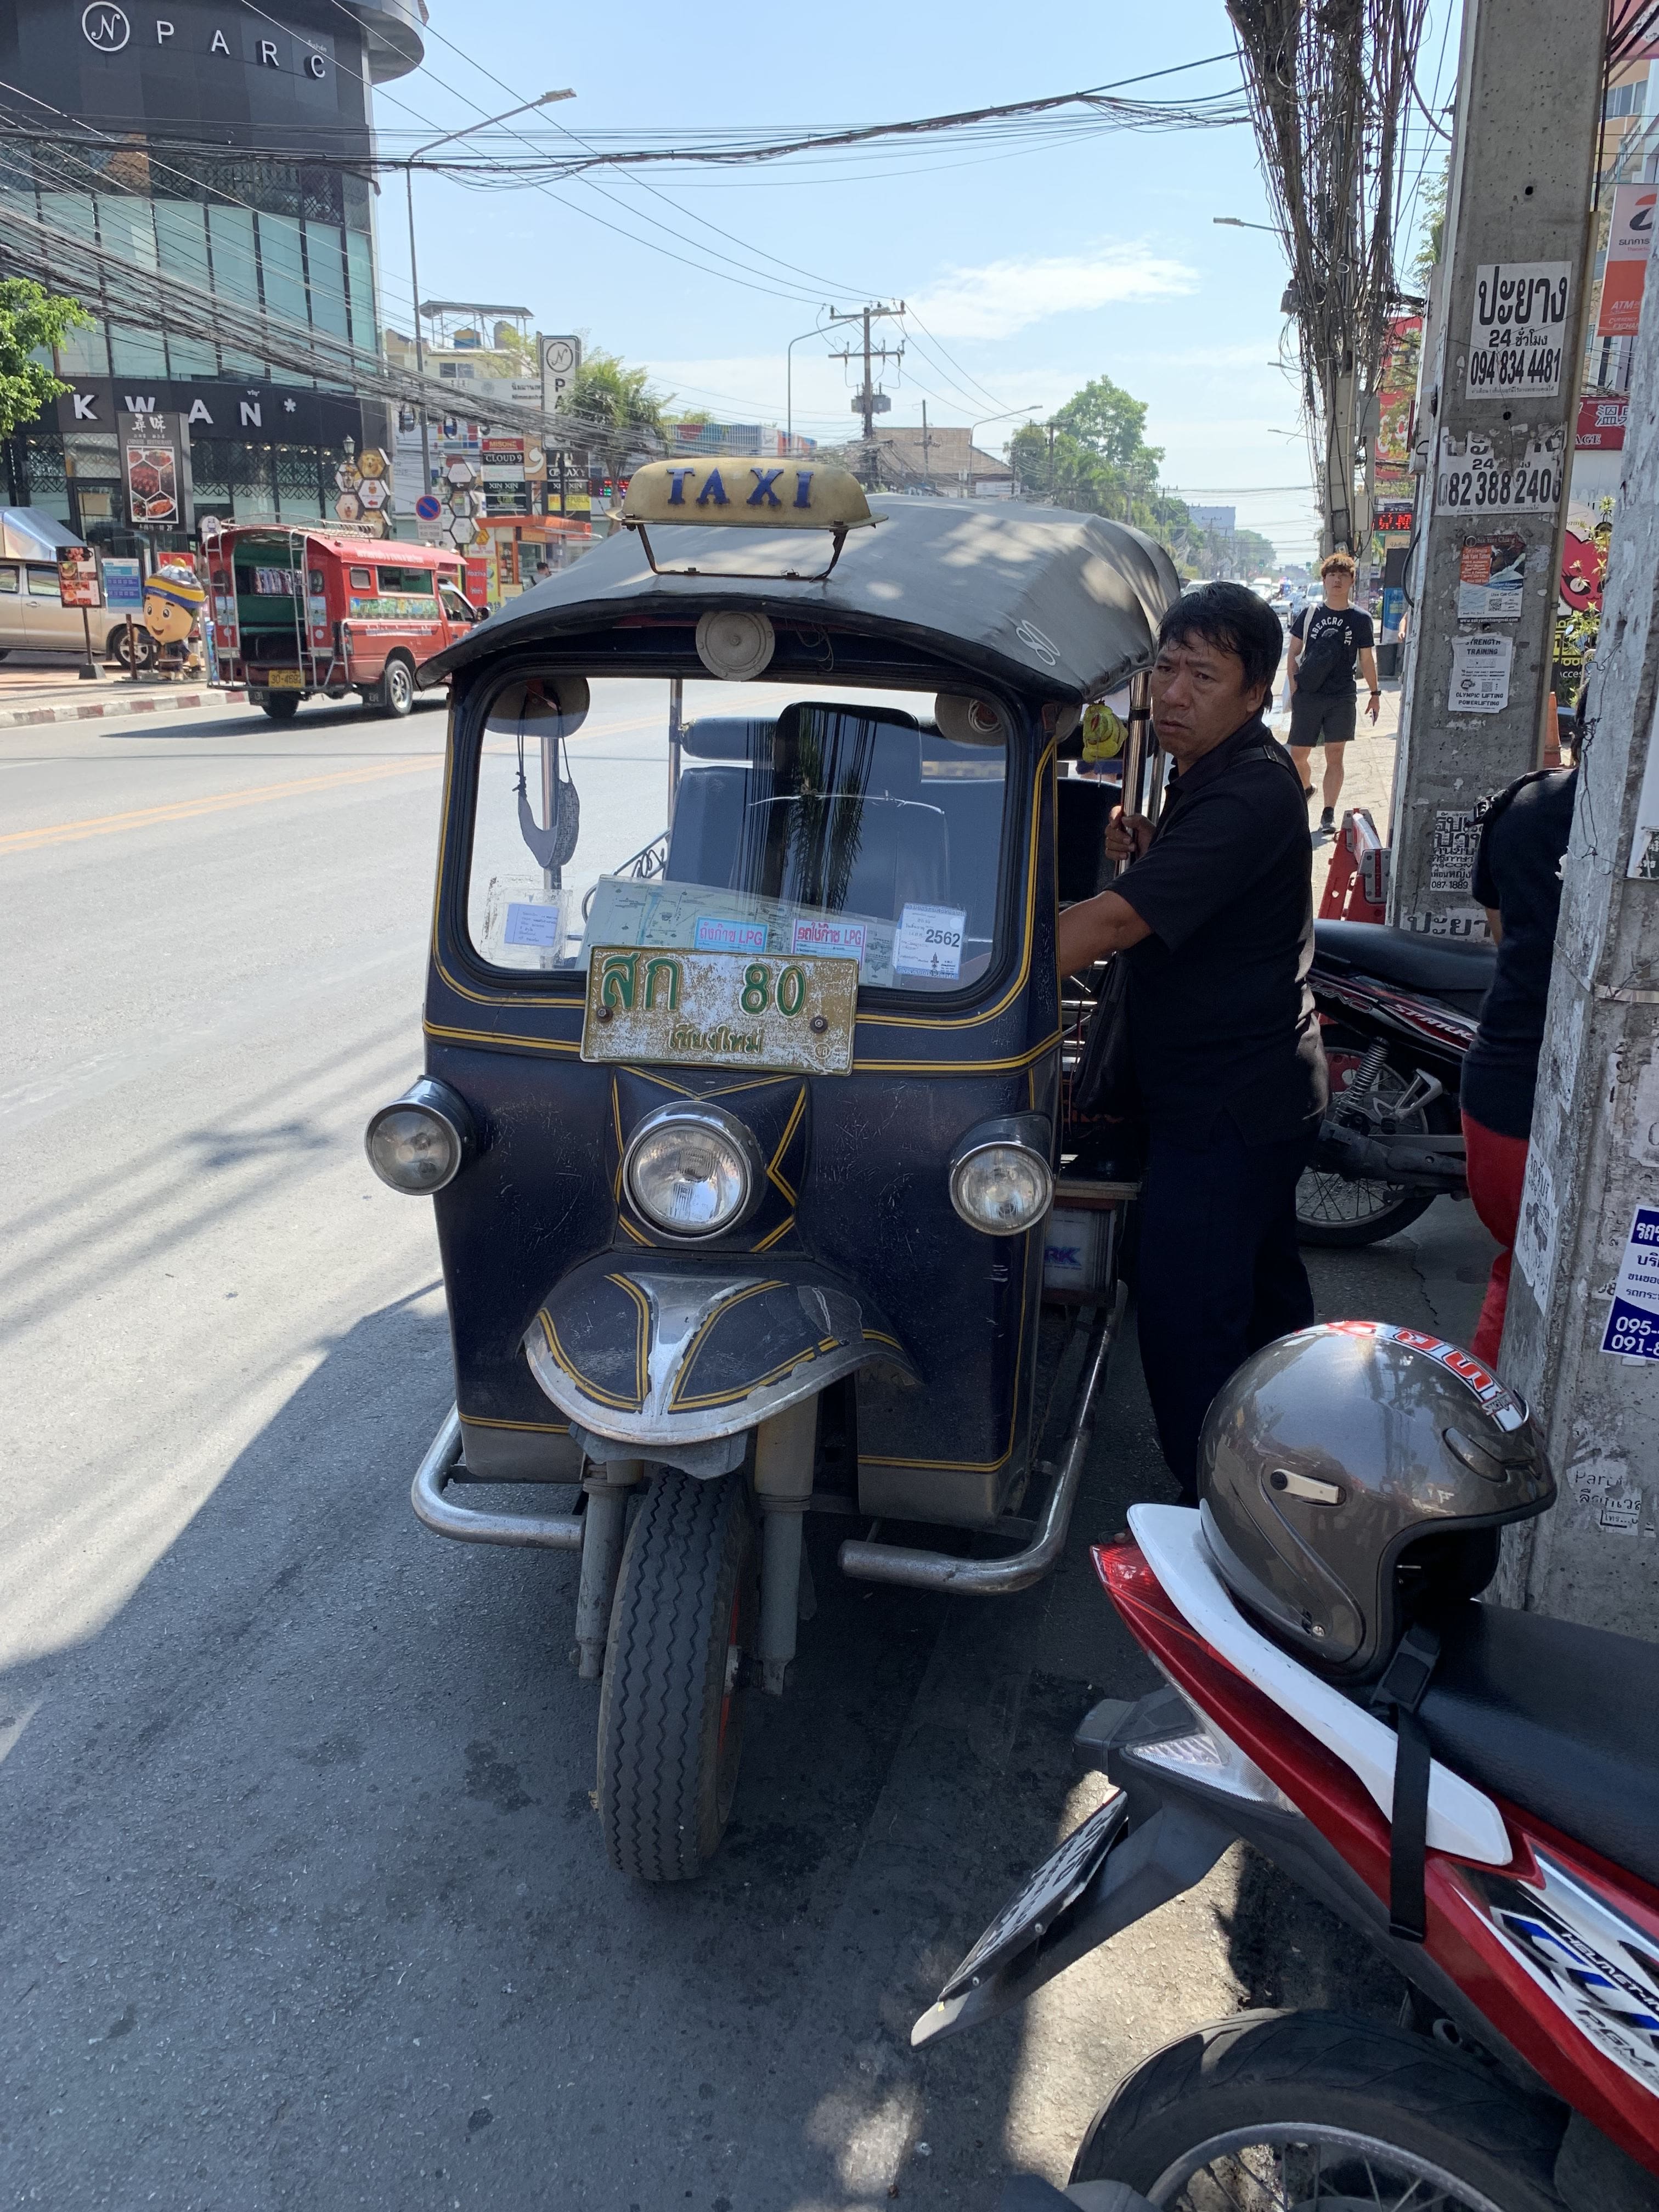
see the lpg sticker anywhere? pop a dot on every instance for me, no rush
(828, 934)
(1632, 1329)
(1595, 1964)
(929, 941)
(714, 933)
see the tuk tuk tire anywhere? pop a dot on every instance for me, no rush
(394, 694)
(686, 1618)
(281, 706)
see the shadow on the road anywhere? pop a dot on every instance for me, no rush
(307, 1903)
(251, 722)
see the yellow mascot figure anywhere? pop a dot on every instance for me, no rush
(174, 599)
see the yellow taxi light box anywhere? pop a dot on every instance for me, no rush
(757, 493)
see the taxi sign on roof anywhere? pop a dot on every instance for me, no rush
(758, 493)
(750, 494)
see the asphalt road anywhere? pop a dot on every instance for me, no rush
(304, 1900)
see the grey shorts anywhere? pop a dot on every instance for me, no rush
(1323, 718)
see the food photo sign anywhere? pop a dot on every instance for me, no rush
(156, 483)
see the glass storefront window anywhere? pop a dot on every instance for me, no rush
(360, 262)
(325, 265)
(283, 262)
(85, 352)
(235, 276)
(299, 485)
(134, 352)
(181, 239)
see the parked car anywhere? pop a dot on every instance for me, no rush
(33, 617)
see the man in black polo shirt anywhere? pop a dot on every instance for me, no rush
(1215, 918)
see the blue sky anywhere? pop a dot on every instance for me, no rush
(1031, 271)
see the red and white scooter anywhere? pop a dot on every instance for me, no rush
(1526, 2076)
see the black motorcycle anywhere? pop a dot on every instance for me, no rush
(1397, 1011)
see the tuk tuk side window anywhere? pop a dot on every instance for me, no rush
(837, 824)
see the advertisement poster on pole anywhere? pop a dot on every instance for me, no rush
(1518, 331)
(77, 577)
(124, 584)
(1492, 572)
(1630, 239)
(1481, 674)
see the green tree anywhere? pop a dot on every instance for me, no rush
(1434, 228)
(611, 396)
(1093, 456)
(32, 321)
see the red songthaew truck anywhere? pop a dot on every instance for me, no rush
(296, 611)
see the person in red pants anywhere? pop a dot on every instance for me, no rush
(1517, 878)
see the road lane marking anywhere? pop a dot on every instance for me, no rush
(187, 809)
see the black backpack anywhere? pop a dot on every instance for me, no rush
(1324, 665)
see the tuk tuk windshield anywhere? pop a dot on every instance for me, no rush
(836, 822)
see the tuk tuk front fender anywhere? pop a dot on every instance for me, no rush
(657, 1353)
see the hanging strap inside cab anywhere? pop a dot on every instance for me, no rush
(1401, 1691)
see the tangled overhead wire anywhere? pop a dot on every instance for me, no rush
(1327, 85)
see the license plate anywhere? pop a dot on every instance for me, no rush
(1059, 1882)
(286, 679)
(688, 1009)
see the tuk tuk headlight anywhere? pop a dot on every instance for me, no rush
(1000, 1179)
(419, 1142)
(692, 1169)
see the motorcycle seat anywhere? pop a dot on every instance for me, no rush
(1556, 1718)
(1448, 968)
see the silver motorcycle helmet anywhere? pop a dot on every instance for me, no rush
(1355, 1475)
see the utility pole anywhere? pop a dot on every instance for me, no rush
(867, 402)
(926, 450)
(1496, 403)
(1578, 1339)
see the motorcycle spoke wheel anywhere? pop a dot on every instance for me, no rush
(1311, 2169)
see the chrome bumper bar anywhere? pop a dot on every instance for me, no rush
(937, 1571)
(471, 1524)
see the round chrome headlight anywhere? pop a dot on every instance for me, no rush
(1002, 1189)
(417, 1143)
(692, 1170)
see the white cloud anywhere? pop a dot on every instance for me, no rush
(1000, 297)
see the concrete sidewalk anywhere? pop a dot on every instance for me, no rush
(1367, 779)
(48, 687)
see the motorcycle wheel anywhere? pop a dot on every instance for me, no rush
(1335, 1209)
(1307, 2111)
(683, 1623)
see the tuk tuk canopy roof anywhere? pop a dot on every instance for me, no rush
(1061, 604)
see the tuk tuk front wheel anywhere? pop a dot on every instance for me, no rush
(281, 706)
(670, 1713)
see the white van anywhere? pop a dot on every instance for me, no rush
(33, 618)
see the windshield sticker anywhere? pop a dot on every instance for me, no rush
(929, 941)
(1505, 1408)
(715, 933)
(534, 925)
(828, 933)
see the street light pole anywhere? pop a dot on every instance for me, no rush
(974, 429)
(542, 99)
(789, 369)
